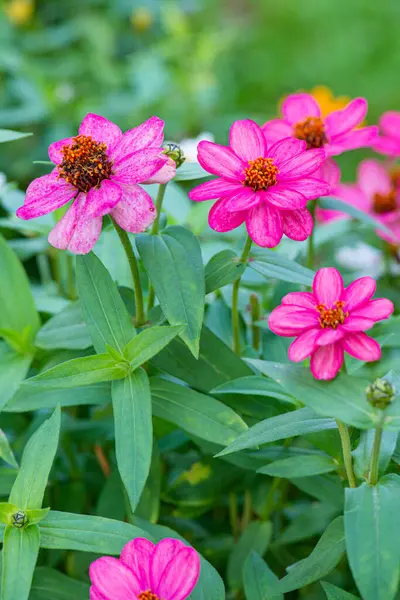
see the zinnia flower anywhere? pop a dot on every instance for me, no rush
(389, 142)
(265, 186)
(144, 571)
(331, 320)
(99, 170)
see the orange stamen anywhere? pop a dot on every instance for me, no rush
(332, 317)
(311, 130)
(85, 163)
(260, 174)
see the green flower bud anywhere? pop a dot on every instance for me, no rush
(380, 393)
(19, 519)
(175, 152)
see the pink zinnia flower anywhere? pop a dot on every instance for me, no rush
(144, 571)
(389, 142)
(267, 187)
(99, 170)
(331, 320)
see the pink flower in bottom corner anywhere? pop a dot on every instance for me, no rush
(331, 320)
(145, 571)
(99, 170)
(265, 186)
(389, 141)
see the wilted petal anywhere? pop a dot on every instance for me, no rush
(264, 225)
(45, 194)
(328, 286)
(165, 174)
(358, 293)
(55, 154)
(361, 346)
(180, 576)
(246, 140)
(216, 188)
(220, 160)
(297, 224)
(326, 361)
(303, 346)
(100, 201)
(113, 579)
(101, 130)
(149, 133)
(140, 166)
(341, 121)
(135, 211)
(298, 107)
(378, 309)
(288, 320)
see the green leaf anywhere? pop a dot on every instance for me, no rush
(323, 559)
(189, 171)
(65, 330)
(18, 312)
(356, 213)
(326, 488)
(148, 343)
(274, 265)
(13, 370)
(5, 451)
(298, 422)
(334, 593)
(223, 268)
(342, 398)
(174, 265)
(256, 537)
(80, 371)
(259, 579)
(300, 466)
(37, 459)
(255, 386)
(20, 552)
(131, 400)
(371, 520)
(103, 309)
(36, 515)
(149, 504)
(35, 397)
(49, 584)
(8, 135)
(195, 413)
(68, 531)
(362, 454)
(311, 519)
(6, 512)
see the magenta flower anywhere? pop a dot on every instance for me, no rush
(267, 187)
(389, 142)
(99, 170)
(144, 571)
(331, 320)
(337, 132)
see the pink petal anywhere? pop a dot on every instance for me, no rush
(220, 219)
(341, 121)
(303, 346)
(329, 336)
(180, 577)
(216, 188)
(288, 320)
(297, 224)
(220, 160)
(284, 197)
(358, 138)
(354, 323)
(137, 167)
(101, 130)
(387, 145)
(149, 133)
(358, 293)
(276, 130)
(304, 299)
(243, 200)
(326, 361)
(329, 172)
(390, 123)
(328, 286)
(287, 148)
(264, 225)
(298, 107)
(135, 211)
(100, 201)
(113, 579)
(137, 556)
(361, 346)
(44, 195)
(378, 309)
(373, 178)
(246, 140)
(302, 165)
(309, 187)
(61, 234)
(165, 174)
(163, 554)
(353, 195)
(95, 595)
(55, 148)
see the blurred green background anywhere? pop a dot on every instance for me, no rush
(198, 64)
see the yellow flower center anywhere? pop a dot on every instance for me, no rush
(311, 130)
(260, 174)
(331, 317)
(148, 595)
(85, 163)
(385, 203)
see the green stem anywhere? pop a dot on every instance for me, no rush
(154, 230)
(310, 258)
(255, 316)
(133, 264)
(233, 515)
(235, 298)
(346, 449)
(374, 470)
(247, 510)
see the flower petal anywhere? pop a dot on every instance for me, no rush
(137, 556)
(329, 336)
(216, 188)
(137, 167)
(44, 195)
(165, 174)
(304, 299)
(353, 323)
(341, 121)
(286, 148)
(309, 187)
(298, 107)
(264, 225)
(220, 160)
(328, 286)
(149, 133)
(55, 148)
(243, 200)
(358, 293)
(113, 579)
(246, 140)
(85, 235)
(353, 195)
(276, 130)
(297, 224)
(135, 211)
(329, 172)
(288, 320)
(284, 197)
(390, 124)
(302, 165)
(163, 554)
(303, 346)
(361, 346)
(326, 361)
(220, 219)
(101, 130)
(358, 138)
(94, 594)
(100, 201)
(180, 577)
(373, 178)
(387, 145)
(378, 309)
(61, 234)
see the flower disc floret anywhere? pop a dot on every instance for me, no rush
(332, 317)
(312, 131)
(148, 595)
(385, 203)
(261, 174)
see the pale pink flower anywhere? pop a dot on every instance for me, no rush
(144, 571)
(331, 320)
(265, 186)
(100, 170)
(389, 140)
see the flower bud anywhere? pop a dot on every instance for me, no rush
(19, 519)
(380, 393)
(175, 152)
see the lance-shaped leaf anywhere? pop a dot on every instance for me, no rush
(223, 268)
(334, 593)
(254, 386)
(255, 537)
(300, 466)
(20, 552)
(148, 343)
(49, 584)
(259, 579)
(5, 451)
(13, 370)
(8, 135)
(66, 329)
(356, 213)
(274, 265)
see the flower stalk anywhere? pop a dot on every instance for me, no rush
(235, 297)
(154, 230)
(346, 449)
